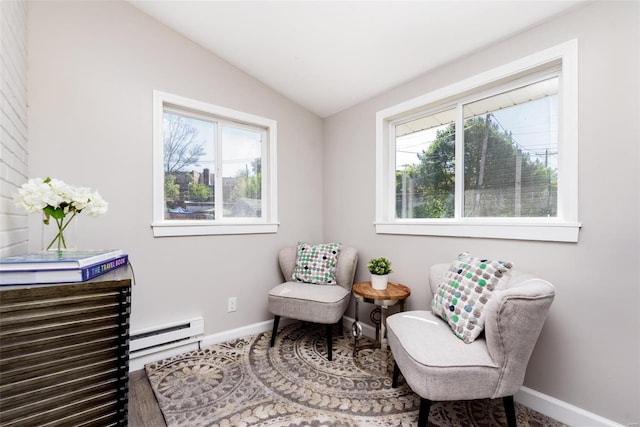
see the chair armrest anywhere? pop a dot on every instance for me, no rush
(515, 317)
(287, 261)
(346, 266)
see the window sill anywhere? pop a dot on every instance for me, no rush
(550, 232)
(199, 229)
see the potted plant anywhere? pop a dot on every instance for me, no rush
(380, 268)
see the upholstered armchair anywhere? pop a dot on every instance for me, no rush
(440, 366)
(315, 303)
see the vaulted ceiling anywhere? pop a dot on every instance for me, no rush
(330, 55)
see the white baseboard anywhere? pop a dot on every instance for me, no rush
(561, 411)
(547, 405)
(232, 334)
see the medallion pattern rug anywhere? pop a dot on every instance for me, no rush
(244, 382)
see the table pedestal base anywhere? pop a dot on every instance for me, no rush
(382, 300)
(379, 318)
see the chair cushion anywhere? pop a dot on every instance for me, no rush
(436, 364)
(309, 302)
(428, 340)
(468, 286)
(316, 263)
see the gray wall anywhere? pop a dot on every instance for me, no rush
(588, 353)
(92, 69)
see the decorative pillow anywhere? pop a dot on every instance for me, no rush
(462, 297)
(316, 263)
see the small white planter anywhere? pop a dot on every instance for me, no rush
(379, 281)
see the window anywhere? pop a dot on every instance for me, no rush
(492, 156)
(214, 169)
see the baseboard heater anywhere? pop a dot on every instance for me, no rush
(164, 337)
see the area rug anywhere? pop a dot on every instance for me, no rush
(244, 382)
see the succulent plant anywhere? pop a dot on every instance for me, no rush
(379, 266)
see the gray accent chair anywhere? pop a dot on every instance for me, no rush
(323, 304)
(438, 366)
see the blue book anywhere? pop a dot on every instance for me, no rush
(57, 260)
(80, 274)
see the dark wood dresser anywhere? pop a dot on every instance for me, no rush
(64, 352)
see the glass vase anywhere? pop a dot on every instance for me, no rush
(60, 236)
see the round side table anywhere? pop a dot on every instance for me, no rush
(383, 299)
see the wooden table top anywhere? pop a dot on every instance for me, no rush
(394, 291)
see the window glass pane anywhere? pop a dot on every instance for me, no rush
(188, 167)
(425, 166)
(242, 172)
(511, 153)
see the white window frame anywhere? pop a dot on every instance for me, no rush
(562, 228)
(267, 223)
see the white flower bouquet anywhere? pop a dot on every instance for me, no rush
(60, 201)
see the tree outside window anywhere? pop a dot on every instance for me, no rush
(509, 158)
(214, 169)
(492, 156)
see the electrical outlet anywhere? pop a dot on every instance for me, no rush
(232, 304)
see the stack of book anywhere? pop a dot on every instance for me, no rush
(59, 266)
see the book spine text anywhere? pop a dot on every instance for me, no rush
(96, 270)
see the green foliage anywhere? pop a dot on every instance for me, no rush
(199, 192)
(248, 184)
(379, 266)
(171, 190)
(490, 159)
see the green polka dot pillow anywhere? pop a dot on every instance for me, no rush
(461, 298)
(316, 263)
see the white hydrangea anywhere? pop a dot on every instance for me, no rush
(96, 205)
(38, 194)
(33, 196)
(59, 202)
(80, 197)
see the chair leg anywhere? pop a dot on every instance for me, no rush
(340, 327)
(330, 342)
(423, 415)
(510, 410)
(396, 374)
(276, 320)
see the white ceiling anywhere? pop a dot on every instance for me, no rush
(330, 55)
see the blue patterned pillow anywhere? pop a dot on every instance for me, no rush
(467, 289)
(316, 263)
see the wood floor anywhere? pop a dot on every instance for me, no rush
(143, 406)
